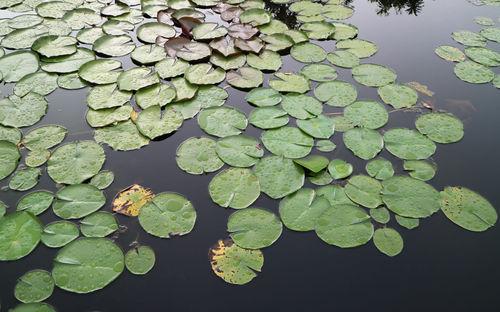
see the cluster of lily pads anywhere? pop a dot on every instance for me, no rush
(178, 63)
(475, 70)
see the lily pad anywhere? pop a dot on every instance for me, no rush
(239, 150)
(300, 210)
(344, 31)
(360, 48)
(380, 168)
(222, 121)
(60, 233)
(50, 46)
(9, 156)
(289, 142)
(450, 53)
(268, 117)
(98, 224)
(36, 202)
(159, 94)
(306, 52)
(255, 17)
(279, 176)
(130, 200)
(228, 62)
(380, 215)
(34, 286)
(483, 56)
(313, 163)
(290, 83)
(336, 93)
(196, 156)
(204, 74)
(77, 201)
(39, 82)
(245, 78)
(420, 169)
(267, 60)
(124, 136)
(373, 75)
(254, 228)
(368, 114)
(108, 116)
(492, 33)
(343, 58)
(409, 223)
(388, 241)
(339, 169)
(469, 38)
(148, 32)
(152, 124)
(398, 95)
(318, 30)
(24, 179)
(472, 72)
(171, 67)
(10, 134)
(320, 127)
(263, 97)
(364, 143)
(70, 63)
(114, 45)
(325, 145)
(364, 190)
(408, 144)
(20, 233)
(167, 215)
(440, 127)
(44, 137)
(87, 264)
(140, 260)
(235, 187)
(23, 111)
(467, 209)
(485, 21)
(301, 106)
(335, 194)
(33, 307)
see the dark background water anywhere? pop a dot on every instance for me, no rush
(442, 267)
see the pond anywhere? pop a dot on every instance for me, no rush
(442, 266)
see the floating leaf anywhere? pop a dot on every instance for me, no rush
(344, 31)
(409, 197)
(136, 78)
(368, 114)
(130, 201)
(408, 144)
(268, 117)
(364, 191)
(235, 265)
(24, 179)
(313, 163)
(207, 31)
(278, 176)
(239, 150)
(255, 17)
(440, 127)
(450, 53)
(75, 162)
(358, 47)
(196, 156)
(343, 58)
(228, 62)
(9, 156)
(222, 121)
(98, 224)
(344, 226)
(492, 33)
(60, 233)
(33, 307)
(473, 72)
(114, 45)
(44, 137)
(167, 215)
(152, 124)
(339, 169)
(469, 38)
(325, 145)
(320, 127)
(23, 111)
(77, 201)
(318, 30)
(319, 72)
(20, 233)
(485, 21)
(320, 178)
(467, 209)
(380, 169)
(159, 94)
(51, 46)
(335, 195)
(483, 56)
(40, 82)
(380, 215)
(290, 83)
(123, 136)
(301, 106)
(246, 77)
(242, 31)
(254, 228)
(267, 60)
(36, 202)
(171, 67)
(87, 264)
(204, 74)
(34, 286)
(148, 32)
(108, 116)
(373, 75)
(300, 210)
(388, 241)
(235, 187)
(306, 52)
(420, 169)
(263, 97)
(10, 134)
(336, 93)
(364, 143)
(71, 63)
(409, 223)
(289, 142)
(140, 260)
(398, 95)
(102, 71)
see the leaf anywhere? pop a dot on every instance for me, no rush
(103, 179)
(224, 46)
(235, 265)
(278, 176)
(343, 58)
(267, 60)
(228, 62)
(344, 31)
(344, 226)
(388, 241)
(24, 38)
(34, 286)
(289, 142)
(10, 134)
(193, 51)
(380, 215)
(235, 187)
(255, 17)
(87, 264)
(23, 111)
(358, 47)
(148, 54)
(450, 53)
(75, 162)
(320, 127)
(319, 72)
(114, 45)
(408, 144)
(278, 42)
(108, 116)
(268, 117)
(339, 169)
(36, 202)
(239, 150)
(60, 233)
(263, 97)
(440, 127)
(325, 145)
(313, 163)
(318, 30)
(71, 63)
(485, 21)
(35, 307)
(409, 223)
(19, 234)
(98, 224)
(152, 124)
(44, 137)
(171, 67)
(420, 169)
(130, 200)
(373, 75)
(36, 158)
(24, 179)
(491, 33)
(222, 121)
(409, 197)
(364, 190)
(483, 56)
(380, 169)
(198, 155)
(9, 156)
(467, 209)
(167, 215)
(245, 78)
(204, 74)
(469, 38)
(137, 78)
(290, 83)
(148, 32)
(51, 46)
(140, 260)
(469, 71)
(102, 71)
(254, 45)
(207, 31)
(306, 52)
(364, 143)
(107, 96)
(336, 93)
(254, 228)
(40, 82)
(368, 114)
(123, 136)
(398, 95)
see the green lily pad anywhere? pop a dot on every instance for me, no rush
(23, 111)
(34, 286)
(483, 56)
(10, 134)
(103, 179)
(318, 30)
(273, 27)
(235, 187)
(364, 190)
(196, 156)
(167, 215)
(368, 114)
(114, 45)
(469, 71)
(50, 46)
(75, 162)
(313, 163)
(343, 58)
(148, 54)
(325, 145)
(380, 215)
(255, 17)
(77, 201)
(339, 169)
(268, 117)
(115, 28)
(380, 169)
(235, 265)
(364, 143)
(222, 121)
(98, 224)
(420, 169)
(87, 264)
(33, 307)
(44, 137)
(239, 150)
(336, 93)
(301, 106)
(267, 60)
(148, 32)
(360, 48)
(159, 94)
(207, 31)
(60, 233)
(306, 52)
(101, 71)
(107, 96)
(36, 202)
(40, 82)
(496, 81)
(24, 179)
(287, 141)
(262, 97)
(140, 260)
(320, 178)
(245, 78)
(450, 53)
(492, 33)
(123, 136)
(24, 38)
(467, 209)
(485, 21)
(408, 144)
(137, 78)
(278, 176)
(409, 223)
(9, 156)
(319, 72)
(152, 124)
(204, 74)
(171, 67)
(36, 158)
(108, 116)
(440, 127)
(184, 90)
(300, 210)
(388, 241)
(254, 228)
(290, 83)
(469, 38)
(20, 233)
(320, 127)
(344, 31)
(228, 62)
(398, 95)
(373, 75)
(344, 226)
(70, 63)
(335, 194)
(410, 197)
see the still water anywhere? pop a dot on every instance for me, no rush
(442, 267)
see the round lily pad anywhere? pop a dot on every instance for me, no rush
(40, 82)
(301, 106)
(268, 117)
(20, 233)
(410, 197)
(300, 210)
(77, 201)
(467, 209)
(398, 95)
(408, 144)
(320, 127)
(343, 58)
(325, 145)
(469, 38)
(36, 202)
(306, 52)
(450, 53)
(289, 142)
(485, 21)
(98, 224)
(483, 56)
(44, 137)
(222, 121)
(239, 150)
(473, 72)
(34, 286)
(36, 158)
(59, 233)
(140, 260)
(123, 136)
(152, 124)
(254, 228)
(420, 169)
(24, 179)
(103, 179)
(33, 307)
(279, 176)
(380, 215)
(409, 223)
(380, 168)
(367, 113)
(167, 215)
(360, 48)
(373, 75)
(344, 226)
(196, 156)
(263, 97)
(336, 93)
(364, 143)
(313, 163)
(491, 33)
(23, 111)
(234, 187)
(388, 241)
(87, 264)
(319, 72)
(339, 169)
(440, 127)
(364, 190)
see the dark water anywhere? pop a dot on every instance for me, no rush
(442, 267)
